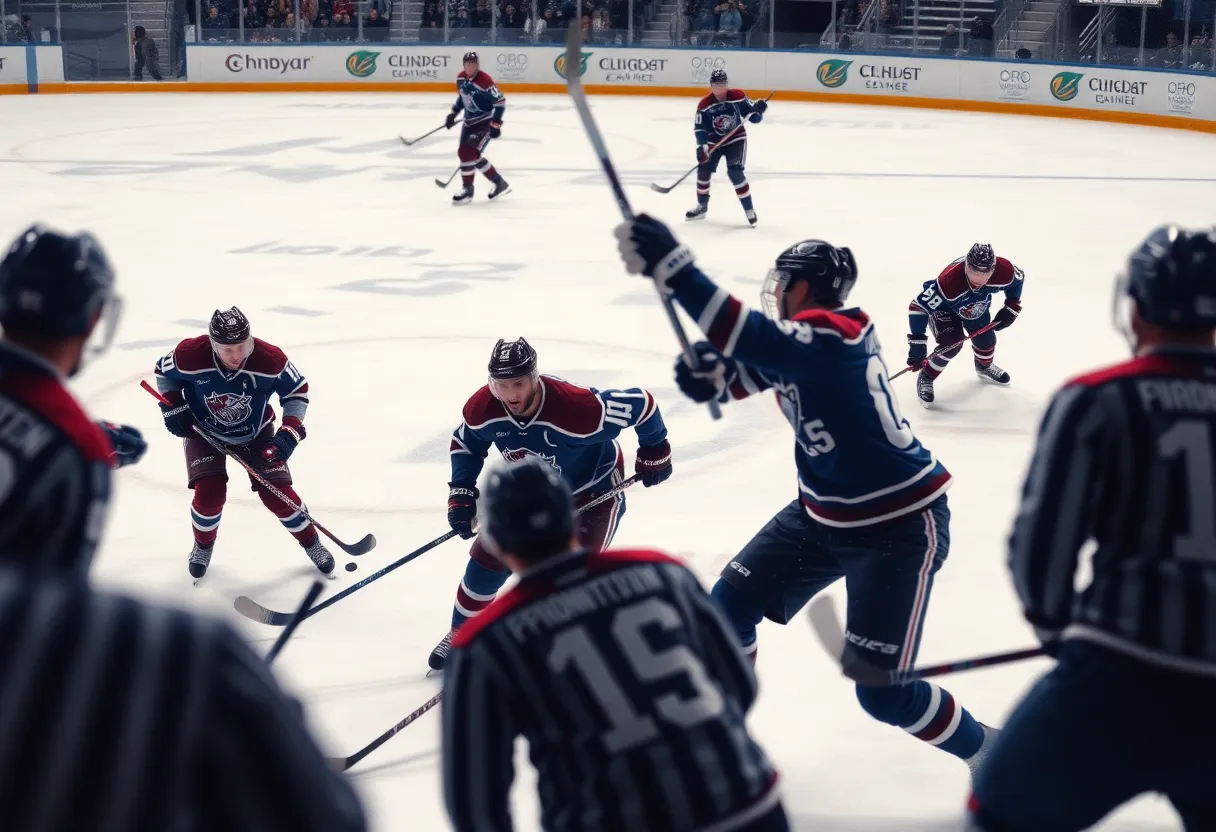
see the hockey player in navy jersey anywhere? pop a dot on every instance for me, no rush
(574, 429)
(618, 670)
(956, 304)
(1125, 460)
(871, 506)
(223, 382)
(483, 107)
(719, 113)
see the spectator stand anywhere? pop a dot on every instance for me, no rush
(604, 22)
(1167, 34)
(294, 21)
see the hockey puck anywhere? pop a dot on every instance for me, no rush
(352, 566)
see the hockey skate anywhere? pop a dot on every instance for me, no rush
(698, 213)
(976, 761)
(751, 217)
(439, 655)
(464, 196)
(992, 374)
(501, 188)
(200, 559)
(924, 388)
(321, 558)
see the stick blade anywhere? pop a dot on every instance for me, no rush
(339, 764)
(441, 183)
(655, 186)
(360, 548)
(254, 611)
(409, 142)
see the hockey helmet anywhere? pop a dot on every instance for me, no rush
(527, 510)
(718, 76)
(828, 271)
(512, 359)
(470, 58)
(54, 285)
(231, 337)
(981, 258)
(1171, 278)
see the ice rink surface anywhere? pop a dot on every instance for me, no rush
(308, 213)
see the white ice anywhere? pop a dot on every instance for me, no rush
(308, 213)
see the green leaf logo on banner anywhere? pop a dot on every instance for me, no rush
(1065, 85)
(362, 64)
(833, 73)
(559, 66)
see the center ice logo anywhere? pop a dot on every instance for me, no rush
(230, 409)
(518, 454)
(362, 64)
(833, 73)
(1065, 85)
(559, 66)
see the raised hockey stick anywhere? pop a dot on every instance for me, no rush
(296, 618)
(654, 186)
(826, 624)
(254, 611)
(574, 85)
(344, 763)
(444, 183)
(412, 142)
(361, 547)
(943, 349)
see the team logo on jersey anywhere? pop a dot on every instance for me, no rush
(559, 66)
(1065, 85)
(725, 123)
(974, 310)
(230, 409)
(517, 454)
(361, 64)
(833, 73)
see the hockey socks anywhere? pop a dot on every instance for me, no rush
(928, 713)
(477, 589)
(207, 508)
(742, 190)
(294, 521)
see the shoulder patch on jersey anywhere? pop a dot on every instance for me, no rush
(266, 359)
(1153, 364)
(482, 407)
(952, 282)
(846, 326)
(571, 407)
(48, 397)
(193, 355)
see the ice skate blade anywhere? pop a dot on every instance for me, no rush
(992, 381)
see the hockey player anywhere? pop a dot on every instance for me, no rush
(618, 670)
(572, 428)
(872, 504)
(718, 114)
(57, 310)
(956, 304)
(222, 382)
(1125, 461)
(483, 107)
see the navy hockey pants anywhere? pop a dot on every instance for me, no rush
(949, 328)
(736, 157)
(1098, 730)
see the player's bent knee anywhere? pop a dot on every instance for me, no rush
(211, 491)
(468, 152)
(736, 174)
(483, 581)
(897, 705)
(743, 612)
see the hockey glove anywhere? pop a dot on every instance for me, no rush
(283, 445)
(178, 418)
(450, 121)
(706, 383)
(648, 247)
(128, 443)
(1007, 315)
(462, 509)
(702, 154)
(918, 350)
(495, 129)
(759, 106)
(653, 465)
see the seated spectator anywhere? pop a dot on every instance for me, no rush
(982, 38)
(950, 43)
(320, 32)
(375, 27)
(461, 21)
(287, 32)
(730, 23)
(253, 18)
(272, 17)
(342, 7)
(510, 18)
(1023, 54)
(215, 28)
(888, 17)
(534, 27)
(1171, 56)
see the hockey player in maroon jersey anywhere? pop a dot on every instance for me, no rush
(222, 382)
(956, 304)
(483, 107)
(718, 114)
(574, 429)
(57, 308)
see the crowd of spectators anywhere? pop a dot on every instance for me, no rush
(603, 21)
(715, 22)
(18, 29)
(292, 21)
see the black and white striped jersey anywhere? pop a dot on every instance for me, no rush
(1126, 464)
(116, 716)
(630, 690)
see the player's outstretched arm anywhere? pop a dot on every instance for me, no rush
(478, 744)
(1058, 507)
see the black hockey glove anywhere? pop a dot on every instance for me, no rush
(1007, 315)
(495, 129)
(708, 382)
(284, 443)
(918, 350)
(759, 106)
(462, 509)
(128, 443)
(178, 418)
(702, 154)
(450, 121)
(653, 465)
(648, 247)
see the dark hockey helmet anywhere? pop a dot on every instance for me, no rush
(1171, 278)
(981, 258)
(229, 326)
(718, 76)
(54, 285)
(829, 272)
(512, 359)
(470, 58)
(527, 510)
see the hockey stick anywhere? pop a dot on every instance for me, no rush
(254, 611)
(296, 618)
(826, 624)
(941, 350)
(412, 142)
(654, 186)
(574, 85)
(441, 183)
(344, 763)
(362, 547)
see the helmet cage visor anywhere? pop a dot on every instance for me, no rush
(772, 293)
(1122, 304)
(102, 336)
